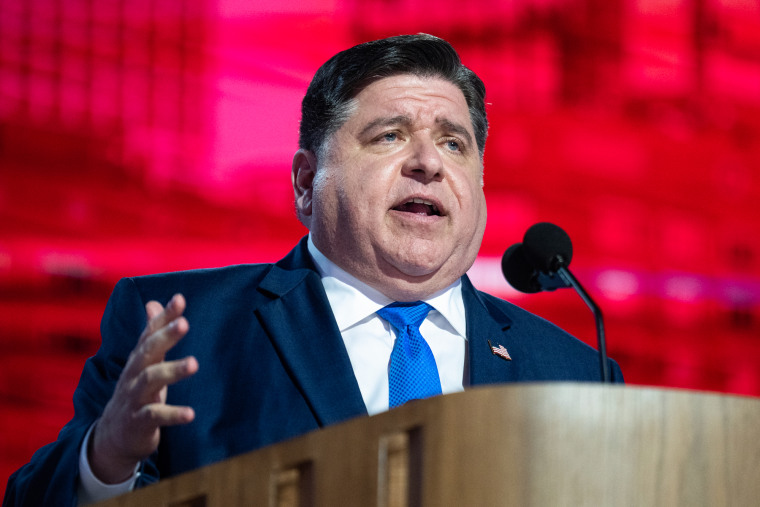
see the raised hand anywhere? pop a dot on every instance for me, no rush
(129, 429)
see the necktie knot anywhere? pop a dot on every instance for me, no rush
(401, 315)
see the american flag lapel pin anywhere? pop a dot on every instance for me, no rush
(500, 351)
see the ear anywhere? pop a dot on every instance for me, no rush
(302, 177)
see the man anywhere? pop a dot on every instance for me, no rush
(388, 180)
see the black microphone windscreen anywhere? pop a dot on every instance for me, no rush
(518, 271)
(547, 247)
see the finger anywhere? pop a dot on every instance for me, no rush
(153, 309)
(156, 377)
(156, 415)
(159, 316)
(155, 346)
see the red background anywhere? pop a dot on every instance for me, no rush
(153, 135)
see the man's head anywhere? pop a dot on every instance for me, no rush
(389, 175)
(329, 99)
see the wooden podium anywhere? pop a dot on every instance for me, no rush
(517, 445)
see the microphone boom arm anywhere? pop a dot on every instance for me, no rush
(571, 281)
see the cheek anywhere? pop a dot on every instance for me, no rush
(476, 220)
(475, 202)
(480, 198)
(321, 191)
(328, 201)
(353, 201)
(367, 188)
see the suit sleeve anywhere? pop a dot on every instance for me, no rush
(51, 476)
(616, 374)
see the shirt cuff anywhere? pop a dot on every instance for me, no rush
(91, 489)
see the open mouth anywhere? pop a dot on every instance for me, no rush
(419, 206)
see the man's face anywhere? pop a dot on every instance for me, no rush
(397, 197)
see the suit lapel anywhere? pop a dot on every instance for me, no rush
(300, 323)
(298, 319)
(487, 323)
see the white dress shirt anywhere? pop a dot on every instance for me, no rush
(369, 341)
(369, 338)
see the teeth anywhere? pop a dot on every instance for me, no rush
(418, 200)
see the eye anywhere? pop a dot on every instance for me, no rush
(453, 145)
(389, 137)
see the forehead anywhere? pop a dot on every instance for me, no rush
(422, 98)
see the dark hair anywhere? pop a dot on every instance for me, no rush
(328, 100)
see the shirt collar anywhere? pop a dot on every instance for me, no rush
(353, 301)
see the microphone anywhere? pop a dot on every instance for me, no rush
(548, 247)
(518, 271)
(540, 263)
(531, 266)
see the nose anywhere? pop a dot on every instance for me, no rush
(424, 162)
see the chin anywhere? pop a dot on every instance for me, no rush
(417, 269)
(422, 278)
(414, 289)
(418, 257)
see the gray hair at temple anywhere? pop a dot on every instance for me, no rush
(329, 99)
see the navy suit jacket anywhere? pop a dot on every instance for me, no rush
(272, 366)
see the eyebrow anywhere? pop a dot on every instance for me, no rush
(456, 128)
(405, 120)
(391, 121)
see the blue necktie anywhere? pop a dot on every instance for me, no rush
(412, 373)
